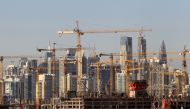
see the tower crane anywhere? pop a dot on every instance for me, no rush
(184, 68)
(98, 76)
(78, 33)
(111, 70)
(176, 75)
(53, 50)
(111, 55)
(98, 79)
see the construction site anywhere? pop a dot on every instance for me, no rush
(123, 80)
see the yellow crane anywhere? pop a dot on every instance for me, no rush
(53, 50)
(176, 75)
(127, 74)
(129, 69)
(98, 79)
(111, 55)
(78, 33)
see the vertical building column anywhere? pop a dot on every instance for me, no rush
(1, 80)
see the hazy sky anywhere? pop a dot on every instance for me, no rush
(25, 25)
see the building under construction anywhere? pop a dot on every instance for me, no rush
(74, 81)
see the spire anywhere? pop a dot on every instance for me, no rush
(49, 46)
(163, 55)
(163, 46)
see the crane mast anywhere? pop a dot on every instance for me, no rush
(184, 69)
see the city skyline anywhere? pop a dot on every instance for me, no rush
(24, 28)
(141, 68)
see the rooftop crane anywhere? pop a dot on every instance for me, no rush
(78, 33)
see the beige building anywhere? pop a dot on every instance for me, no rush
(45, 86)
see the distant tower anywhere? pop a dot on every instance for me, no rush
(163, 63)
(141, 48)
(162, 54)
(142, 58)
(71, 67)
(125, 50)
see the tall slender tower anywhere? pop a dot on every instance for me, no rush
(1, 80)
(163, 62)
(142, 58)
(141, 48)
(162, 53)
(125, 51)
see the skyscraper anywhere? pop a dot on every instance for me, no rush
(125, 50)
(163, 63)
(120, 82)
(70, 56)
(141, 48)
(142, 58)
(162, 53)
(45, 86)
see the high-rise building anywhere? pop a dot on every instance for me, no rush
(12, 88)
(120, 82)
(142, 75)
(71, 82)
(141, 48)
(62, 78)
(71, 67)
(11, 70)
(26, 86)
(45, 86)
(158, 82)
(163, 63)
(27, 76)
(92, 73)
(162, 53)
(105, 77)
(125, 50)
(70, 56)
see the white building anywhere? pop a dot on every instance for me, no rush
(12, 87)
(11, 70)
(120, 82)
(71, 82)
